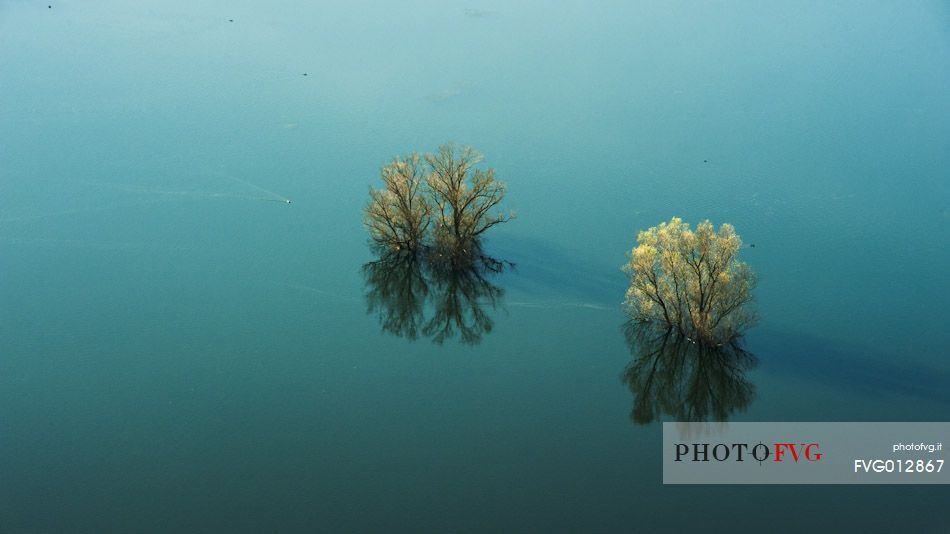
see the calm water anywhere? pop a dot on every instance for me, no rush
(178, 354)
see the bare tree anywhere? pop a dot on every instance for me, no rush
(463, 198)
(398, 215)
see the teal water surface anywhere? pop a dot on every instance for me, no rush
(182, 351)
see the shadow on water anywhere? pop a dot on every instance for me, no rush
(661, 373)
(416, 298)
(836, 365)
(544, 269)
(672, 376)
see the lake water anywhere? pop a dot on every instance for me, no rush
(179, 354)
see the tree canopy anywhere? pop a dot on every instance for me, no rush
(691, 281)
(439, 201)
(464, 197)
(398, 215)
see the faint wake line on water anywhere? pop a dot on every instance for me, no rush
(185, 195)
(553, 305)
(77, 211)
(96, 245)
(191, 194)
(277, 197)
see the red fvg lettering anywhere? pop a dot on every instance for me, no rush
(810, 451)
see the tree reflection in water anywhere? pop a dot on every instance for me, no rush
(397, 291)
(458, 291)
(674, 376)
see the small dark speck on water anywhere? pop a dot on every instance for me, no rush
(230, 20)
(304, 74)
(705, 161)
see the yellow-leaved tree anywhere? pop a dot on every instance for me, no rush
(691, 281)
